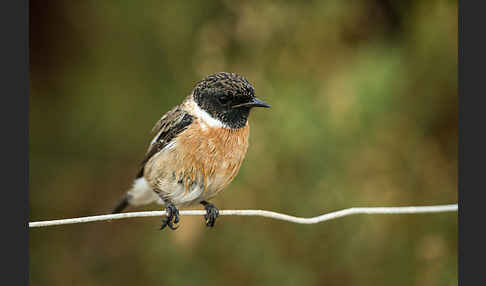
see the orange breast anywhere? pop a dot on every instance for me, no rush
(214, 153)
(203, 159)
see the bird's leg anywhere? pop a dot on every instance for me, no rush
(172, 216)
(211, 213)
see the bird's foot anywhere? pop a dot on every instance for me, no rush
(211, 213)
(172, 217)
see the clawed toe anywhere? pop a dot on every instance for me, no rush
(172, 217)
(170, 224)
(165, 222)
(211, 213)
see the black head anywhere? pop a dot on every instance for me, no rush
(227, 97)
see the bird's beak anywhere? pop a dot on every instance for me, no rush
(255, 102)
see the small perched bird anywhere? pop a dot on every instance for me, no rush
(198, 148)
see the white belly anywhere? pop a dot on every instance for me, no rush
(142, 194)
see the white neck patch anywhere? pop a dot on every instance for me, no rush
(205, 117)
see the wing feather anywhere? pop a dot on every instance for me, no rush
(166, 129)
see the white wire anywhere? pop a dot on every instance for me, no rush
(262, 213)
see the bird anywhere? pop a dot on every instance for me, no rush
(197, 149)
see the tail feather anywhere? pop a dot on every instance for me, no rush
(124, 202)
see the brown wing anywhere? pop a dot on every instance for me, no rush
(172, 123)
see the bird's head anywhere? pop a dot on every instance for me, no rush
(227, 97)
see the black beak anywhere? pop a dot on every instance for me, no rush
(255, 102)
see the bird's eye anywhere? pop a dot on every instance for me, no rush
(223, 99)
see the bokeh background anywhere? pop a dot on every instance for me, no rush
(364, 113)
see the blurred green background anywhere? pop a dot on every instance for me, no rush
(364, 113)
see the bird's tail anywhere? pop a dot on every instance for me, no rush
(139, 194)
(122, 204)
